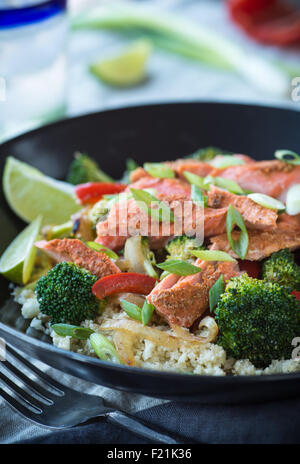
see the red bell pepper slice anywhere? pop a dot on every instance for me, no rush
(130, 282)
(297, 295)
(268, 21)
(251, 267)
(91, 192)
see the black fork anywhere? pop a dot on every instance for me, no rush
(47, 402)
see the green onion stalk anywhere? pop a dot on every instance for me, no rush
(193, 41)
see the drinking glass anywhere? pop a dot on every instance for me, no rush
(33, 36)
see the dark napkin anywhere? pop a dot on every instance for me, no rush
(262, 423)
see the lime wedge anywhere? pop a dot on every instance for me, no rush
(127, 69)
(29, 193)
(17, 261)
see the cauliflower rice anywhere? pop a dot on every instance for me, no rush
(207, 359)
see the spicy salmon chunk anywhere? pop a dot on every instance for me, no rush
(254, 215)
(272, 178)
(75, 251)
(178, 167)
(262, 243)
(182, 300)
(127, 215)
(200, 168)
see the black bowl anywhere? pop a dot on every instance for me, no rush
(152, 133)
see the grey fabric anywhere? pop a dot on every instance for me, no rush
(269, 423)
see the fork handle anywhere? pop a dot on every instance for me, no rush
(133, 425)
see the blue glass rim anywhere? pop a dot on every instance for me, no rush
(13, 17)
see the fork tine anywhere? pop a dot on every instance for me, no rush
(15, 404)
(56, 386)
(22, 394)
(46, 396)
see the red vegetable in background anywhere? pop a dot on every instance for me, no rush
(131, 282)
(296, 294)
(251, 267)
(270, 21)
(92, 192)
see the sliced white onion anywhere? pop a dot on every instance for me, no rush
(293, 200)
(133, 254)
(266, 201)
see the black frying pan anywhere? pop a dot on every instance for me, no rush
(148, 133)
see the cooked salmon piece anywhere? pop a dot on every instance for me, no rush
(262, 243)
(138, 174)
(213, 222)
(200, 168)
(254, 215)
(289, 221)
(182, 300)
(167, 189)
(75, 251)
(175, 192)
(179, 166)
(187, 164)
(272, 178)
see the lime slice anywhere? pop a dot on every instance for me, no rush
(29, 193)
(17, 261)
(266, 201)
(127, 69)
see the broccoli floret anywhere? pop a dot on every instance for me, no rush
(282, 269)
(99, 211)
(84, 169)
(208, 153)
(181, 248)
(257, 320)
(131, 165)
(65, 295)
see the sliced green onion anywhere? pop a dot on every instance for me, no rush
(240, 246)
(147, 311)
(60, 230)
(103, 249)
(164, 274)
(293, 200)
(159, 170)
(131, 165)
(201, 43)
(197, 196)
(104, 349)
(178, 267)
(266, 201)
(194, 179)
(227, 184)
(133, 310)
(206, 154)
(74, 331)
(215, 292)
(145, 200)
(212, 255)
(288, 156)
(225, 161)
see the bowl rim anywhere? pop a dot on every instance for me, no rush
(82, 358)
